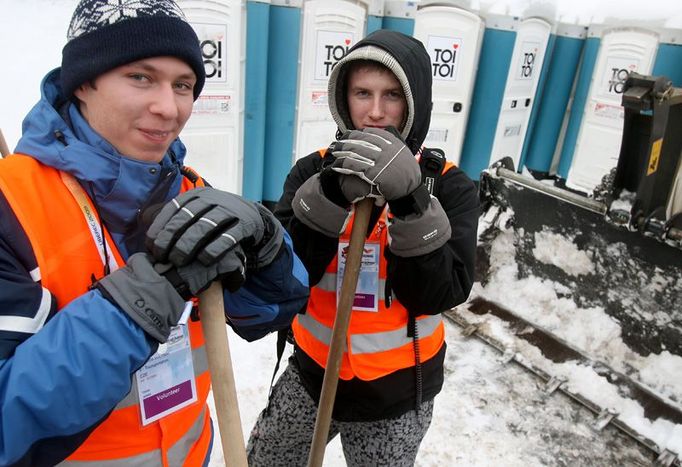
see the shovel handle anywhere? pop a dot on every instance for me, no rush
(222, 377)
(4, 149)
(363, 209)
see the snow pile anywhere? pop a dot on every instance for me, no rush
(552, 248)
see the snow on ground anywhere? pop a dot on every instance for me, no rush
(493, 412)
(590, 330)
(489, 413)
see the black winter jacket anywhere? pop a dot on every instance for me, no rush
(431, 283)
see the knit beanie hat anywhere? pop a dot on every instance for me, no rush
(105, 34)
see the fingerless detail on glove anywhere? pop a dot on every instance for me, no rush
(147, 297)
(419, 234)
(414, 203)
(331, 187)
(315, 210)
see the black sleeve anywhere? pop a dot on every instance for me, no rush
(442, 279)
(314, 249)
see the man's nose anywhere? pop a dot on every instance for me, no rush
(376, 111)
(163, 102)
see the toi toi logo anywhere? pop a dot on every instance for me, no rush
(617, 81)
(527, 65)
(444, 64)
(212, 53)
(334, 53)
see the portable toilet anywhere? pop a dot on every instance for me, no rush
(255, 97)
(493, 68)
(518, 101)
(622, 50)
(330, 29)
(554, 103)
(669, 57)
(375, 16)
(214, 133)
(399, 16)
(452, 36)
(284, 32)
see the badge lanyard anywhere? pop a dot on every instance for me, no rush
(93, 224)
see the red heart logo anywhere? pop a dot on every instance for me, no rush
(347, 41)
(454, 46)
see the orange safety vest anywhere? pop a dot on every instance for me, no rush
(67, 256)
(377, 343)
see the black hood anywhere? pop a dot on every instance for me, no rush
(409, 61)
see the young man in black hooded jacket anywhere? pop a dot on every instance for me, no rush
(418, 262)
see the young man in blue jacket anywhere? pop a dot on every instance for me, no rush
(105, 238)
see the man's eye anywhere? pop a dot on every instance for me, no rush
(138, 77)
(182, 86)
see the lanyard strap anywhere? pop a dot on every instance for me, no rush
(91, 219)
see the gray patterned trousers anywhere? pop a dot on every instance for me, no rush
(283, 433)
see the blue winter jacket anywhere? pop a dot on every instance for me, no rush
(50, 363)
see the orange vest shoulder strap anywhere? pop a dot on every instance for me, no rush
(56, 225)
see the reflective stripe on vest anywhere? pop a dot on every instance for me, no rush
(372, 342)
(176, 455)
(67, 257)
(378, 341)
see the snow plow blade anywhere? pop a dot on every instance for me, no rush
(635, 278)
(597, 276)
(629, 228)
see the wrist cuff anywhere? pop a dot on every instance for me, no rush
(414, 203)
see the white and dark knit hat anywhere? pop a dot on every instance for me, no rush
(105, 34)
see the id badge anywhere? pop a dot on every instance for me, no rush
(367, 290)
(166, 382)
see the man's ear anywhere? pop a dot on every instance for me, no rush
(81, 91)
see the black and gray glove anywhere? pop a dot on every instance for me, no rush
(192, 279)
(316, 210)
(145, 295)
(376, 164)
(204, 224)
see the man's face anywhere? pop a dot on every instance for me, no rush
(375, 99)
(140, 107)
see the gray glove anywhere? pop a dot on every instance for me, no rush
(205, 223)
(378, 165)
(418, 234)
(194, 278)
(318, 212)
(146, 296)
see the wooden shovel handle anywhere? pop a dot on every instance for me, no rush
(363, 209)
(4, 149)
(222, 377)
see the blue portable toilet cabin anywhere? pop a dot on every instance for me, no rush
(375, 16)
(597, 124)
(493, 66)
(255, 92)
(669, 57)
(568, 43)
(399, 16)
(452, 36)
(524, 79)
(282, 62)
